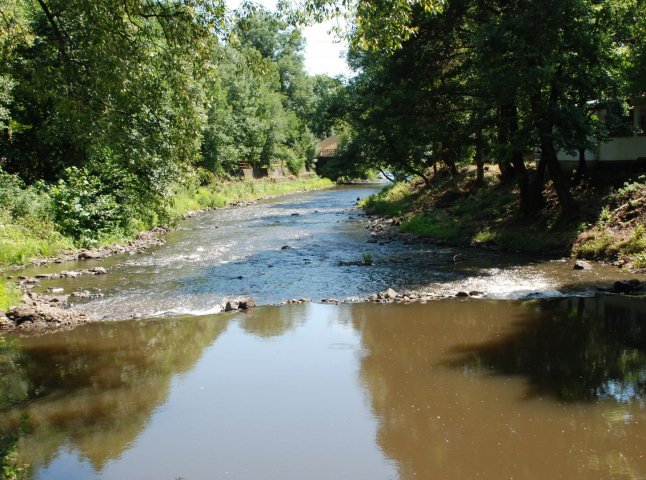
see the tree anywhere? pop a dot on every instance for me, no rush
(105, 82)
(261, 99)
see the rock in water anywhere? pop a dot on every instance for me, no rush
(89, 255)
(582, 265)
(231, 305)
(390, 293)
(247, 303)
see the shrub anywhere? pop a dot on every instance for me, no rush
(85, 209)
(21, 201)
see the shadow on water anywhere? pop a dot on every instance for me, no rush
(471, 416)
(576, 349)
(94, 389)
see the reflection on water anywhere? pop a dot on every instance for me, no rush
(577, 349)
(93, 389)
(450, 390)
(472, 417)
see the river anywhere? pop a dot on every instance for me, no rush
(537, 379)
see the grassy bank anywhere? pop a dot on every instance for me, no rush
(28, 230)
(9, 296)
(609, 227)
(191, 198)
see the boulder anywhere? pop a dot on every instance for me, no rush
(28, 280)
(89, 255)
(582, 265)
(70, 274)
(247, 303)
(621, 286)
(231, 305)
(330, 300)
(37, 316)
(462, 294)
(390, 293)
(99, 271)
(59, 299)
(630, 286)
(81, 294)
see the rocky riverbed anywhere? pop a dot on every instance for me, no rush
(312, 246)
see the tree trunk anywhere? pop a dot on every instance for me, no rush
(582, 166)
(479, 154)
(450, 163)
(390, 179)
(504, 162)
(531, 199)
(548, 154)
(535, 201)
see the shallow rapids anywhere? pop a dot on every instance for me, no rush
(290, 248)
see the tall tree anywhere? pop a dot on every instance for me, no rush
(110, 82)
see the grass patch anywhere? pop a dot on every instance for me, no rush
(611, 224)
(453, 210)
(220, 195)
(392, 201)
(9, 296)
(435, 225)
(618, 233)
(26, 238)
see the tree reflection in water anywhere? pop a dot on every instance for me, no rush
(94, 389)
(576, 349)
(448, 384)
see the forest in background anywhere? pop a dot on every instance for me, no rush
(109, 110)
(474, 100)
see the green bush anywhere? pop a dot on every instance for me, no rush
(104, 201)
(21, 201)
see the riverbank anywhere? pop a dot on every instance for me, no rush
(34, 239)
(312, 246)
(610, 227)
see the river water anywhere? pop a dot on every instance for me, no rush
(539, 379)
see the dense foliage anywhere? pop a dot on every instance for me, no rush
(106, 108)
(510, 83)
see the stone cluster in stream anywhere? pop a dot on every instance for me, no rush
(42, 312)
(139, 245)
(392, 296)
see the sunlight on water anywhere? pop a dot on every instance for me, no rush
(292, 247)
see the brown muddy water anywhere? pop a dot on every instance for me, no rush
(540, 379)
(491, 389)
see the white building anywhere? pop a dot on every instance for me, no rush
(627, 146)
